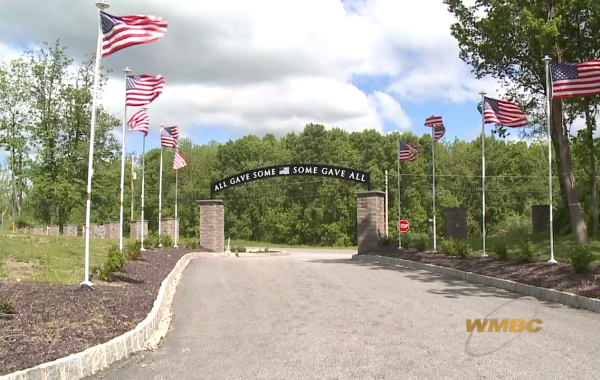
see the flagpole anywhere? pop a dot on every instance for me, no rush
(433, 186)
(126, 71)
(101, 5)
(143, 182)
(483, 171)
(547, 60)
(399, 218)
(162, 125)
(176, 220)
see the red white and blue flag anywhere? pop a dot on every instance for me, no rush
(179, 161)
(570, 80)
(169, 137)
(437, 124)
(503, 113)
(120, 32)
(141, 90)
(139, 122)
(407, 152)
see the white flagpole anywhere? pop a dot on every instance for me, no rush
(176, 219)
(547, 60)
(162, 125)
(143, 182)
(433, 185)
(101, 5)
(399, 218)
(483, 170)
(387, 216)
(126, 71)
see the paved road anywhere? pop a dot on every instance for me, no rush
(318, 315)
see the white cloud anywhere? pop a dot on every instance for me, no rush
(271, 65)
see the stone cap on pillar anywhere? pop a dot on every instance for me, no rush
(208, 202)
(370, 193)
(167, 218)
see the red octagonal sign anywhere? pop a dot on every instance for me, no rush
(404, 225)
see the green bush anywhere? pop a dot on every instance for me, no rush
(6, 306)
(526, 251)
(152, 240)
(463, 248)
(22, 222)
(189, 243)
(166, 241)
(421, 244)
(115, 262)
(581, 257)
(134, 250)
(501, 251)
(386, 240)
(238, 249)
(448, 246)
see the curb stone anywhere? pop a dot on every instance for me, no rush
(92, 360)
(544, 294)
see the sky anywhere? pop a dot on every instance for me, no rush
(238, 67)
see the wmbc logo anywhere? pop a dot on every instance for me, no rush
(504, 325)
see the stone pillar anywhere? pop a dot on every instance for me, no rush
(112, 230)
(370, 219)
(53, 231)
(212, 224)
(39, 230)
(456, 222)
(134, 229)
(540, 218)
(70, 230)
(168, 227)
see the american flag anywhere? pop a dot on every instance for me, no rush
(141, 90)
(437, 124)
(179, 161)
(571, 80)
(121, 32)
(139, 122)
(407, 152)
(169, 137)
(503, 113)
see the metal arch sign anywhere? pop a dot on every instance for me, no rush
(330, 171)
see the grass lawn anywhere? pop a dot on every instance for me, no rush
(254, 244)
(541, 242)
(48, 259)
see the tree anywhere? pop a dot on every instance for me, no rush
(508, 44)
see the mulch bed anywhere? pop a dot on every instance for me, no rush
(559, 276)
(53, 321)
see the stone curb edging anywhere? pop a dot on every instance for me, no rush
(544, 294)
(96, 358)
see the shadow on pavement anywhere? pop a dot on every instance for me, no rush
(455, 288)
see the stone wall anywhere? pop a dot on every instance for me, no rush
(70, 230)
(97, 231)
(53, 230)
(113, 230)
(134, 229)
(370, 219)
(540, 218)
(168, 227)
(456, 222)
(38, 230)
(212, 224)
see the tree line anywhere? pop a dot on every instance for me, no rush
(44, 128)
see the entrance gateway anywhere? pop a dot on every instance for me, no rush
(370, 206)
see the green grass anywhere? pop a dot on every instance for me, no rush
(541, 243)
(48, 259)
(254, 244)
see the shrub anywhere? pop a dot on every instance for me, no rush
(385, 240)
(526, 251)
(134, 250)
(463, 248)
(501, 251)
(166, 241)
(581, 257)
(115, 262)
(6, 306)
(153, 240)
(421, 244)
(21, 222)
(191, 243)
(238, 249)
(448, 246)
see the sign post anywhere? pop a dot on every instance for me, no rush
(403, 226)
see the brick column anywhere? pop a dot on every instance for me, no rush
(456, 222)
(168, 227)
(212, 224)
(540, 218)
(370, 219)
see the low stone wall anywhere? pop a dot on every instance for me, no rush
(38, 230)
(53, 230)
(97, 231)
(70, 230)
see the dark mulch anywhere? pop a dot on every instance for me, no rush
(538, 273)
(53, 321)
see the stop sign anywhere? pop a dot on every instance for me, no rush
(403, 225)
